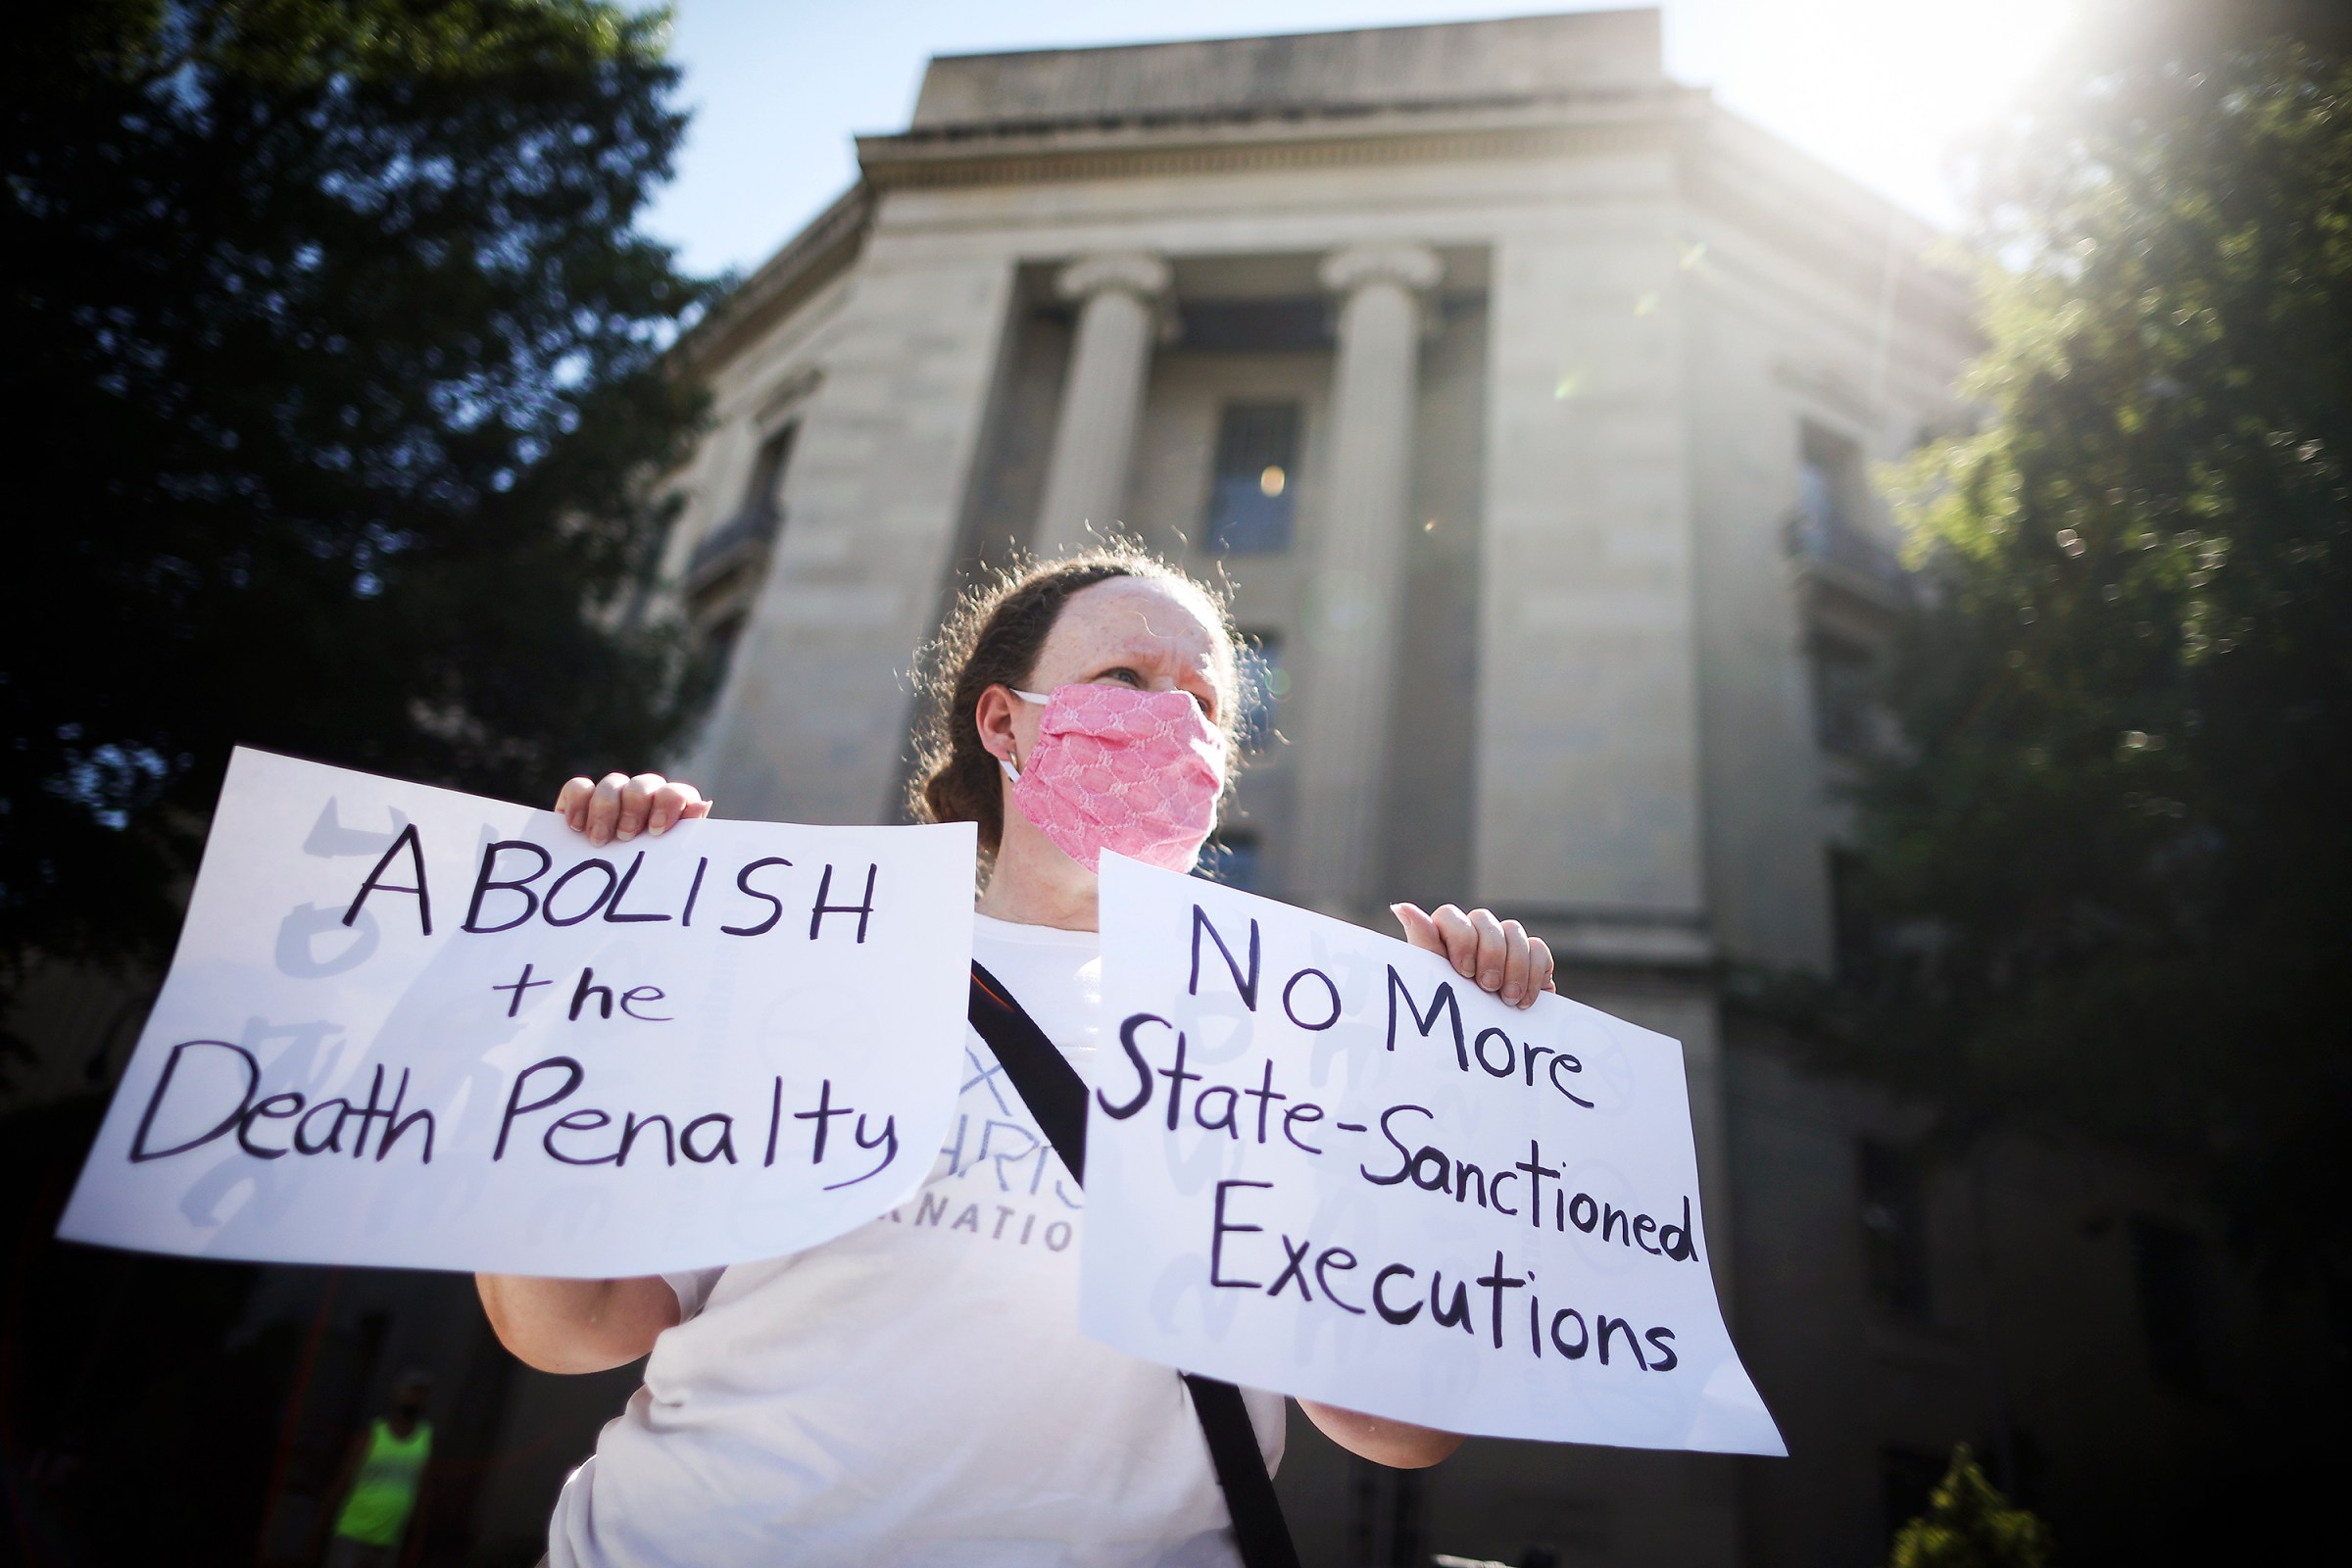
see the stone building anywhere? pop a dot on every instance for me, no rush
(1526, 399)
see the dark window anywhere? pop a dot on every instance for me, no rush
(1231, 860)
(1908, 1480)
(1844, 694)
(1383, 1516)
(1257, 326)
(1830, 484)
(720, 636)
(1264, 683)
(726, 566)
(1894, 1249)
(1849, 924)
(1251, 498)
(2176, 1303)
(1829, 526)
(744, 537)
(764, 497)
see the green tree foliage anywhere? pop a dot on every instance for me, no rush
(2106, 880)
(333, 370)
(1969, 1524)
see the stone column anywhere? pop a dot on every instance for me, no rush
(1102, 396)
(1349, 620)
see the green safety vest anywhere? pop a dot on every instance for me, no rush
(377, 1510)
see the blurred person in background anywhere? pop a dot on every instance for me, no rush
(378, 1496)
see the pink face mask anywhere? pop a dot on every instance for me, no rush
(1134, 772)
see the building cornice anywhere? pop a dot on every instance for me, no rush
(809, 261)
(1839, 230)
(1019, 152)
(1836, 229)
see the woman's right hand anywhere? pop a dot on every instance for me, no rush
(619, 807)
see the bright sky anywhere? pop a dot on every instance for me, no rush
(1877, 89)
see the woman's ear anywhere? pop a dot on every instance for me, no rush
(993, 718)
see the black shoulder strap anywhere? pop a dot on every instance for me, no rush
(1057, 1098)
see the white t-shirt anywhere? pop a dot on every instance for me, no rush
(917, 1390)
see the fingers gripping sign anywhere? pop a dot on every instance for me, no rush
(1498, 954)
(619, 807)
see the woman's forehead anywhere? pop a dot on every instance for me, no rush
(1137, 615)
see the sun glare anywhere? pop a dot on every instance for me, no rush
(1883, 88)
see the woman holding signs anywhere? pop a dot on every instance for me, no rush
(917, 1390)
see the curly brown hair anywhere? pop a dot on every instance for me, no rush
(992, 638)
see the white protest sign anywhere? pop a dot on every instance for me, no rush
(411, 1027)
(1320, 1161)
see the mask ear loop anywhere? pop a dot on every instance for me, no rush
(1012, 768)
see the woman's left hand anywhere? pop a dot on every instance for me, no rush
(1498, 954)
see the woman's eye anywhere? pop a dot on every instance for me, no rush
(1124, 676)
